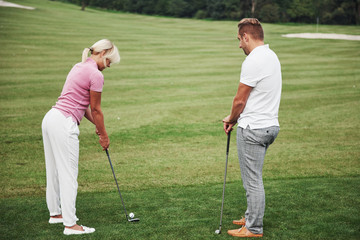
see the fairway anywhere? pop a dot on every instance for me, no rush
(163, 106)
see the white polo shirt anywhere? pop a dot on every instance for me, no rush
(261, 70)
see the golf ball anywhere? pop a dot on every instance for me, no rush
(131, 215)
(217, 231)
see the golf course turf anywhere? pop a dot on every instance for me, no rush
(163, 106)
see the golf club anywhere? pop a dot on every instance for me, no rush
(218, 231)
(131, 219)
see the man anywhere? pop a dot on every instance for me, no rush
(255, 109)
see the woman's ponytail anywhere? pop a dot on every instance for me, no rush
(85, 54)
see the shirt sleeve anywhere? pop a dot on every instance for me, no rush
(250, 73)
(96, 82)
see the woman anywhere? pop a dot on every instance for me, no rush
(60, 131)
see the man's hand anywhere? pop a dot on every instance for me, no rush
(228, 125)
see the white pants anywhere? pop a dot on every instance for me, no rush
(61, 147)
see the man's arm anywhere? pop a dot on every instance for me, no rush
(238, 106)
(98, 118)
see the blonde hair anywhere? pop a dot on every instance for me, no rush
(111, 51)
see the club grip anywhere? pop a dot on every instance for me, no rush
(228, 143)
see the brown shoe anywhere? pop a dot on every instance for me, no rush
(240, 222)
(243, 232)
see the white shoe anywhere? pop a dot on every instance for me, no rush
(68, 231)
(55, 220)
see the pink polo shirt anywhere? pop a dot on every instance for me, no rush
(75, 96)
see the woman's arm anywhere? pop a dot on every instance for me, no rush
(98, 119)
(89, 116)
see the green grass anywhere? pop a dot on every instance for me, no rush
(163, 106)
(321, 210)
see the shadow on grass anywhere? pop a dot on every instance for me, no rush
(317, 208)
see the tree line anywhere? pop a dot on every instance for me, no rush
(344, 12)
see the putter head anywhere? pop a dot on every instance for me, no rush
(133, 219)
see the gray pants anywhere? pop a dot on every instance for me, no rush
(252, 145)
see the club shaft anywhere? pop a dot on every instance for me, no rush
(223, 193)
(122, 201)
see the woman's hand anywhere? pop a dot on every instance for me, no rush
(104, 141)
